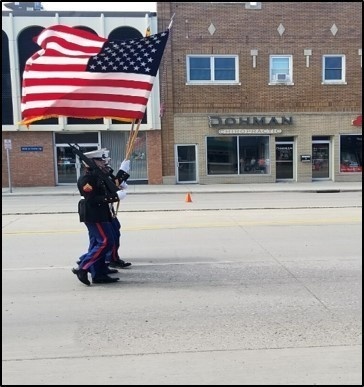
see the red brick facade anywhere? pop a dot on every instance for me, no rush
(154, 149)
(238, 31)
(29, 168)
(317, 28)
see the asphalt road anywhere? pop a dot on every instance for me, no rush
(231, 289)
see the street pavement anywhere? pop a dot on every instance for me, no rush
(233, 288)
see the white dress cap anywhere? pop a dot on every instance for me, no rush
(98, 154)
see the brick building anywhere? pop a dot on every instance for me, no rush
(249, 93)
(40, 155)
(261, 92)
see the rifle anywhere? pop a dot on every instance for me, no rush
(111, 186)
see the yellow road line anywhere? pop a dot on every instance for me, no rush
(232, 223)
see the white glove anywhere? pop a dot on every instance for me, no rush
(125, 166)
(121, 194)
(123, 185)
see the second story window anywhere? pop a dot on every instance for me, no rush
(220, 69)
(333, 69)
(280, 69)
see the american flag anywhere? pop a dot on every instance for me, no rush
(79, 74)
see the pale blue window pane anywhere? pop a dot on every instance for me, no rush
(333, 62)
(200, 75)
(200, 69)
(333, 68)
(224, 69)
(280, 64)
(332, 75)
(225, 75)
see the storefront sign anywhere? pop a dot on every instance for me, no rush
(306, 158)
(244, 121)
(357, 122)
(31, 149)
(249, 131)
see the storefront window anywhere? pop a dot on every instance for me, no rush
(254, 155)
(351, 153)
(238, 155)
(222, 157)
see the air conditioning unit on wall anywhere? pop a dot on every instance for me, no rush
(282, 77)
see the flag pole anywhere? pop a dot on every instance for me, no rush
(134, 133)
(171, 22)
(129, 149)
(128, 144)
(132, 137)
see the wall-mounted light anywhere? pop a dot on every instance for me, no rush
(359, 53)
(254, 54)
(253, 5)
(307, 53)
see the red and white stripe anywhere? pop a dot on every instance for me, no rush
(56, 83)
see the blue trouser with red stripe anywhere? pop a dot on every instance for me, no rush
(114, 254)
(102, 241)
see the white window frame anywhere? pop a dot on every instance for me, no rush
(341, 81)
(272, 77)
(212, 81)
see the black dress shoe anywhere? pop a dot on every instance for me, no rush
(111, 271)
(119, 264)
(104, 280)
(82, 276)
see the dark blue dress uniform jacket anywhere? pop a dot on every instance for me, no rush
(94, 208)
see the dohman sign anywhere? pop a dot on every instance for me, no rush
(247, 120)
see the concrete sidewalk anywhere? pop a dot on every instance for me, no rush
(317, 186)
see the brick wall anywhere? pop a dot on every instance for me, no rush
(154, 152)
(41, 164)
(240, 30)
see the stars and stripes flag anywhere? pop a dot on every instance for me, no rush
(79, 74)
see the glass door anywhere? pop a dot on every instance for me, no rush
(66, 165)
(69, 167)
(186, 168)
(80, 166)
(320, 160)
(284, 160)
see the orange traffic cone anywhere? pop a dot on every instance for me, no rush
(188, 198)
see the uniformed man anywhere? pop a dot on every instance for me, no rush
(94, 211)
